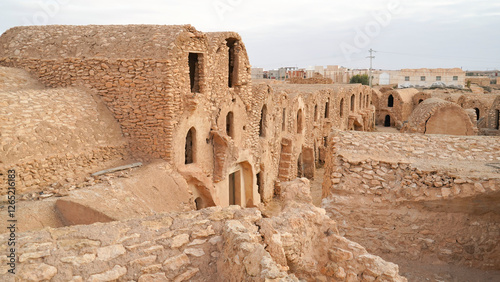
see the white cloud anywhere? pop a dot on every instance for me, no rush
(305, 32)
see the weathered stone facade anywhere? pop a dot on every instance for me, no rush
(436, 116)
(395, 106)
(421, 173)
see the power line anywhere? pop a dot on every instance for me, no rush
(371, 65)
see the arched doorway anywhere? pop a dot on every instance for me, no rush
(387, 122)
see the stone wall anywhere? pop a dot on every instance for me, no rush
(211, 244)
(412, 167)
(437, 116)
(282, 150)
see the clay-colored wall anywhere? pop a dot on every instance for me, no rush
(447, 121)
(479, 80)
(437, 116)
(448, 173)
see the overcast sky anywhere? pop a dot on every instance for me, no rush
(405, 34)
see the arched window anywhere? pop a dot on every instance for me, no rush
(327, 108)
(360, 100)
(229, 124)
(477, 112)
(190, 147)
(299, 121)
(263, 122)
(390, 101)
(352, 102)
(341, 107)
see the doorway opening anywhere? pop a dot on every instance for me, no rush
(235, 188)
(387, 122)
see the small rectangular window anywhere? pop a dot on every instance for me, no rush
(422, 78)
(194, 72)
(438, 78)
(455, 78)
(407, 78)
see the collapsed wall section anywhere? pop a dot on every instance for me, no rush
(210, 244)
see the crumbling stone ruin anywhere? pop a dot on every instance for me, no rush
(446, 112)
(208, 153)
(213, 244)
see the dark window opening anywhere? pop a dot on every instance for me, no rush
(420, 101)
(315, 112)
(352, 102)
(229, 124)
(283, 123)
(232, 62)
(387, 122)
(299, 121)
(327, 108)
(262, 127)
(390, 101)
(194, 72)
(477, 113)
(235, 188)
(190, 149)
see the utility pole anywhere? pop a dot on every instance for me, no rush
(371, 65)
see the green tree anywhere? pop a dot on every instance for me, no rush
(360, 78)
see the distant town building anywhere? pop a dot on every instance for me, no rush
(257, 73)
(426, 78)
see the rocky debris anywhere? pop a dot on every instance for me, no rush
(214, 243)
